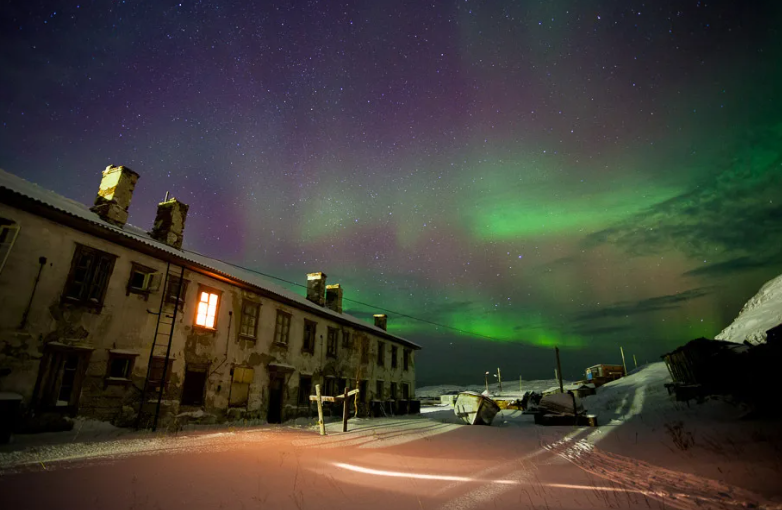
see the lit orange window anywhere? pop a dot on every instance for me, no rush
(207, 310)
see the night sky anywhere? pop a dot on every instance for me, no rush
(581, 174)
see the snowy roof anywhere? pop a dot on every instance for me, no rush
(73, 208)
(759, 314)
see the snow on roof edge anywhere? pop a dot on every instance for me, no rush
(76, 209)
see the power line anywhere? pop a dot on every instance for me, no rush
(400, 314)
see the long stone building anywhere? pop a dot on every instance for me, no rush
(98, 316)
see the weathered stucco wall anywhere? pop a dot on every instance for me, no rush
(125, 324)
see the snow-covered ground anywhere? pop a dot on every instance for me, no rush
(510, 389)
(759, 314)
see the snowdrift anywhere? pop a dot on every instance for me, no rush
(759, 314)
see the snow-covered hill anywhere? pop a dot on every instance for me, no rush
(761, 313)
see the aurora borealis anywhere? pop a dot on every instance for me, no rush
(574, 174)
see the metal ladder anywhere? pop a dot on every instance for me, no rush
(164, 333)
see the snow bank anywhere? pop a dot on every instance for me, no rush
(510, 388)
(759, 314)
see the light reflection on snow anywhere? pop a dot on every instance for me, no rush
(419, 476)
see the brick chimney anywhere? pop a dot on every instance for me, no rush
(170, 222)
(114, 194)
(316, 288)
(334, 297)
(381, 321)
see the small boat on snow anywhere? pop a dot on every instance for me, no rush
(475, 409)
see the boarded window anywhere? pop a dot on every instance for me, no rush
(381, 354)
(308, 342)
(156, 371)
(332, 342)
(305, 389)
(194, 385)
(249, 324)
(282, 328)
(89, 276)
(176, 290)
(8, 233)
(394, 355)
(241, 379)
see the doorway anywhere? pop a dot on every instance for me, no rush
(60, 378)
(276, 388)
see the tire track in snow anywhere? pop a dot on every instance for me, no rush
(684, 491)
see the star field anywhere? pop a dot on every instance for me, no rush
(578, 174)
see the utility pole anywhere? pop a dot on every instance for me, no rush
(499, 378)
(623, 359)
(486, 380)
(520, 390)
(559, 371)
(635, 361)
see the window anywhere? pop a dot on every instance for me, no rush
(176, 290)
(394, 355)
(331, 343)
(143, 280)
(381, 354)
(8, 232)
(330, 386)
(89, 276)
(195, 382)
(156, 371)
(364, 350)
(249, 325)
(405, 391)
(305, 389)
(406, 359)
(282, 328)
(346, 340)
(206, 312)
(379, 390)
(392, 396)
(120, 365)
(343, 383)
(308, 343)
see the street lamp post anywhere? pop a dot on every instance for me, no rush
(486, 380)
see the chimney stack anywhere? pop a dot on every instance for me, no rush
(334, 297)
(316, 288)
(114, 194)
(170, 223)
(381, 321)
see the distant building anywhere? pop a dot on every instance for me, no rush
(95, 312)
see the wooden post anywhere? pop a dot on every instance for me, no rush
(345, 408)
(520, 390)
(623, 359)
(320, 410)
(635, 361)
(559, 371)
(499, 378)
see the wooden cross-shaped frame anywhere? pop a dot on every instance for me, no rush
(317, 397)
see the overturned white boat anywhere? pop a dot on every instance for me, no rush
(475, 409)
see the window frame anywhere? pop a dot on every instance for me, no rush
(394, 356)
(346, 339)
(381, 354)
(169, 297)
(332, 342)
(114, 356)
(392, 392)
(406, 358)
(279, 333)
(81, 251)
(210, 291)
(311, 327)
(7, 225)
(257, 306)
(156, 383)
(379, 389)
(149, 280)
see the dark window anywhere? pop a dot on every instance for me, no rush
(8, 232)
(193, 387)
(393, 391)
(381, 354)
(143, 280)
(176, 286)
(308, 342)
(120, 365)
(394, 355)
(346, 339)
(406, 391)
(156, 371)
(89, 276)
(331, 342)
(379, 390)
(406, 359)
(343, 382)
(282, 327)
(249, 324)
(364, 350)
(305, 389)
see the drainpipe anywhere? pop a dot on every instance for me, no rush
(42, 262)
